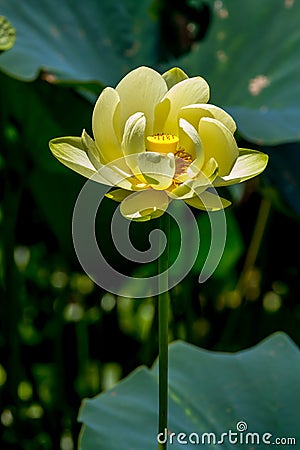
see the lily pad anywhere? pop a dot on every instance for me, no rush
(83, 41)
(252, 69)
(254, 390)
(283, 172)
(251, 60)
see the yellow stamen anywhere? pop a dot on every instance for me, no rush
(163, 143)
(182, 162)
(182, 154)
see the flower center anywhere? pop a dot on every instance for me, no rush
(182, 162)
(163, 143)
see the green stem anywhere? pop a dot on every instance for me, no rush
(163, 329)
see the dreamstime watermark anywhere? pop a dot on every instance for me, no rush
(100, 270)
(239, 436)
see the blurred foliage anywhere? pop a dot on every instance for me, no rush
(62, 338)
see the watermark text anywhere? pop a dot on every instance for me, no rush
(239, 436)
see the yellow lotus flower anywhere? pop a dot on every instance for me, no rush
(157, 140)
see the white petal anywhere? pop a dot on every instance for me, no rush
(71, 152)
(160, 115)
(249, 164)
(141, 90)
(218, 143)
(103, 124)
(193, 114)
(186, 92)
(91, 149)
(134, 141)
(157, 169)
(174, 76)
(191, 143)
(207, 201)
(118, 195)
(144, 205)
(194, 186)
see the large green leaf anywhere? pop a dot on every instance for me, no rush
(283, 172)
(82, 41)
(209, 392)
(251, 60)
(250, 56)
